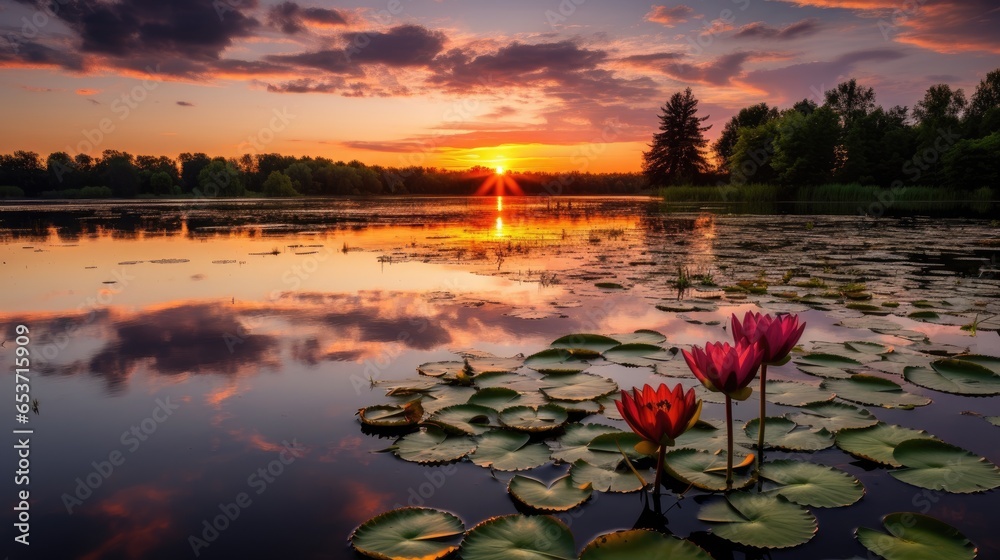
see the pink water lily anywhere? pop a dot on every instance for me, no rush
(724, 368)
(776, 335)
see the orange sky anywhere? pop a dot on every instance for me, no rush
(527, 85)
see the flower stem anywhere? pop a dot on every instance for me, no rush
(729, 446)
(763, 414)
(659, 469)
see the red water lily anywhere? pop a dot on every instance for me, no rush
(776, 335)
(725, 368)
(659, 416)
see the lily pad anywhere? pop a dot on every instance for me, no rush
(586, 344)
(641, 336)
(705, 470)
(872, 390)
(641, 543)
(782, 433)
(955, 376)
(509, 451)
(534, 419)
(809, 484)
(468, 419)
(573, 445)
(827, 360)
(391, 416)
(617, 442)
(878, 442)
(561, 495)
(936, 465)
(793, 393)
(441, 369)
(833, 416)
(432, 445)
(517, 536)
(620, 479)
(578, 387)
(409, 533)
(759, 520)
(498, 398)
(637, 355)
(556, 360)
(913, 536)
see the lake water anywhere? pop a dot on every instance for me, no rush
(185, 354)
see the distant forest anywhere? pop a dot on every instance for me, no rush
(945, 140)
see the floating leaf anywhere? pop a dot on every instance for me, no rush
(498, 398)
(444, 396)
(578, 387)
(793, 393)
(936, 465)
(562, 495)
(530, 419)
(872, 390)
(391, 416)
(585, 344)
(703, 469)
(512, 381)
(641, 543)
(509, 451)
(619, 479)
(877, 442)
(955, 376)
(641, 336)
(494, 364)
(991, 363)
(469, 419)
(637, 355)
(409, 533)
(708, 438)
(759, 520)
(572, 445)
(833, 416)
(556, 360)
(809, 484)
(617, 442)
(583, 407)
(827, 360)
(432, 445)
(825, 371)
(913, 536)
(538, 537)
(441, 369)
(995, 420)
(782, 433)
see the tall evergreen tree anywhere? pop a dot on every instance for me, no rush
(677, 151)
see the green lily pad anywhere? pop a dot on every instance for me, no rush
(641, 336)
(620, 479)
(809, 484)
(877, 442)
(936, 465)
(617, 442)
(587, 344)
(707, 437)
(825, 371)
(705, 470)
(531, 419)
(913, 536)
(556, 360)
(637, 355)
(759, 520)
(561, 495)
(991, 363)
(642, 543)
(793, 393)
(573, 445)
(827, 360)
(514, 381)
(583, 407)
(833, 416)
(441, 369)
(409, 387)
(444, 396)
(432, 445)
(782, 433)
(517, 536)
(509, 451)
(494, 364)
(876, 391)
(409, 533)
(467, 419)
(955, 376)
(499, 398)
(578, 387)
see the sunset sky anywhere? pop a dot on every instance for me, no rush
(549, 85)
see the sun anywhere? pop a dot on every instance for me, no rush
(500, 170)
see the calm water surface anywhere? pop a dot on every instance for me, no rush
(200, 345)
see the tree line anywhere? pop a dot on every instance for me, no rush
(122, 175)
(944, 140)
